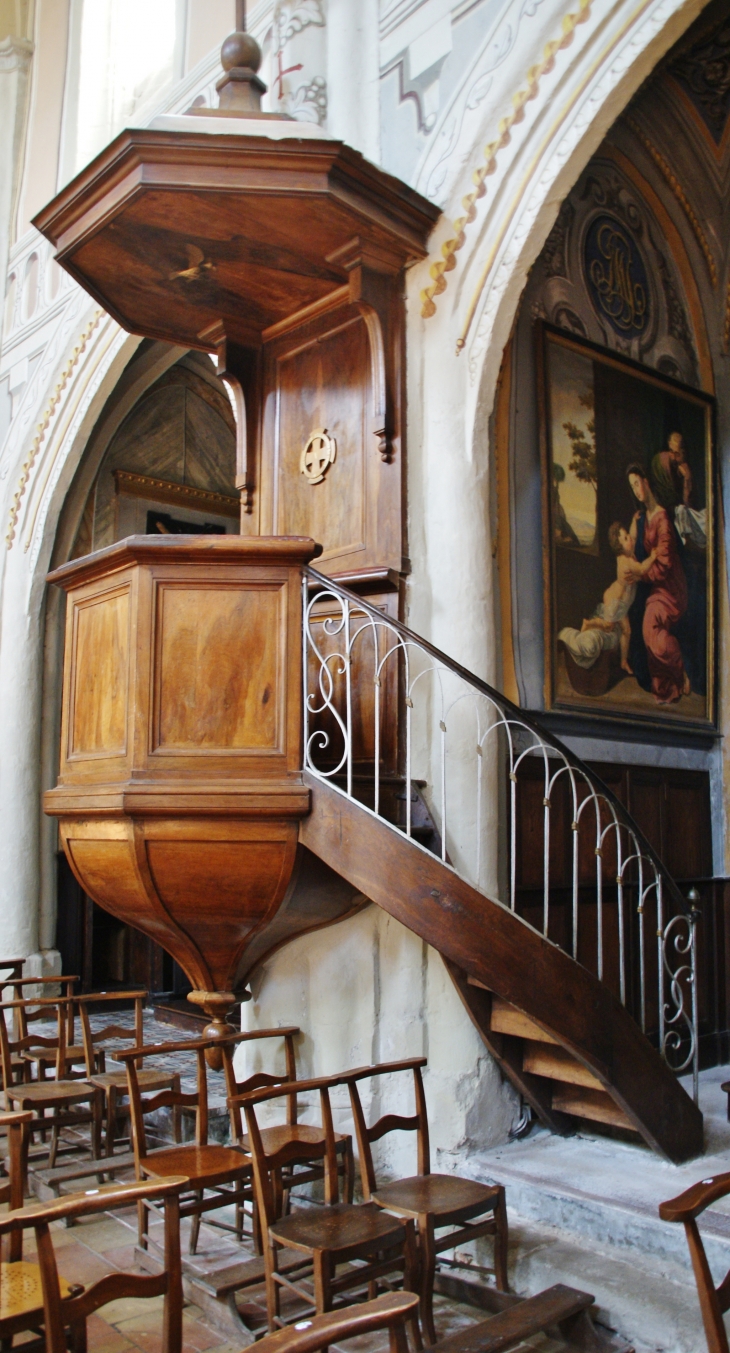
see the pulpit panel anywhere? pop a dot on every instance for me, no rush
(321, 487)
(218, 668)
(100, 665)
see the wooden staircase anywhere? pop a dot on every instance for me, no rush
(558, 1033)
(554, 1082)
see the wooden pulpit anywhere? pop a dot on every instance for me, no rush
(180, 787)
(283, 255)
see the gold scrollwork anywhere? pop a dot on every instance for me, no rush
(523, 96)
(318, 454)
(675, 186)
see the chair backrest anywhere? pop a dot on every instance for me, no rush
(29, 1010)
(13, 1193)
(260, 1079)
(140, 1104)
(94, 1038)
(269, 1154)
(58, 1314)
(55, 1045)
(12, 967)
(390, 1122)
(308, 1336)
(686, 1208)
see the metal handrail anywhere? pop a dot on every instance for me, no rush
(333, 696)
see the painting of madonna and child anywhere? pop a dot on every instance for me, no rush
(628, 457)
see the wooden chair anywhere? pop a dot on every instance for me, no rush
(12, 966)
(64, 1307)
(113, 1084)
(291, 1131)
(434, 1201)
(21, 1295)
(207, 1166)
(40, 1051)
(686, 1208)
(308, 1336)
(62, 1098)
(365, 1241)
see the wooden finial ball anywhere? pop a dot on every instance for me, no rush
(240, 49)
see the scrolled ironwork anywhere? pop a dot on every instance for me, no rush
(449, 723)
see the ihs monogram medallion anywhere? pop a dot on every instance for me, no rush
(317, 456)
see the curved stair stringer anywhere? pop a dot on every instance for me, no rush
(502, 953)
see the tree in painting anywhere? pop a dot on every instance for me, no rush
(583, 461)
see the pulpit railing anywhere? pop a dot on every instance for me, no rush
(392, 722)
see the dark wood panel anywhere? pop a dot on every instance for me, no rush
(324, 383)
(672, 808)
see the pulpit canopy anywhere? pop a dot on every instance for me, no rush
(177, 231)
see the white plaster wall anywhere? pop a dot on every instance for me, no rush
(368, 990)
(15, 58)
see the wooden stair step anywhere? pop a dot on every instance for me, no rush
(50, 1184)
(506, 1019)
(221, 1282)
(593, 1104)
(521, 1321)
(557, 1065)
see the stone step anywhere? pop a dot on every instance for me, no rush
(583, 1210)
(650, 1305)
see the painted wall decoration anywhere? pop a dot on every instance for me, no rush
(629, 540)
(606, 273)
(616, 276)
(702, 69)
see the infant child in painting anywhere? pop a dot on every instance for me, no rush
(619, 596)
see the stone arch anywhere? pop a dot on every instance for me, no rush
(550, 105)
(86, 385)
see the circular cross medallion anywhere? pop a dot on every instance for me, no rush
(317, 456)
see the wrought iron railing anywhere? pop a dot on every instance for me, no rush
(384, 710)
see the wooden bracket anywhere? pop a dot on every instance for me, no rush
(216, 335)
(365, 271)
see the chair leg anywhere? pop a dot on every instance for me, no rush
(77, 1337)
(348, 1172)
(195, 1224)
(176, 1113)
(501, 1238)
(278, 1193)
(427, 1257)
(271, 1264)
(411, 1278)
(54, 1146)
(143, 1222)
(97, 1114)
(258, 1243)
(111, 1118)
(322, 1264)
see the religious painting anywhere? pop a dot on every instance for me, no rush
(629, 537)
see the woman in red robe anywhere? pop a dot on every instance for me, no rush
(667, 600)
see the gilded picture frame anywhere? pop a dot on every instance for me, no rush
(629, 538)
